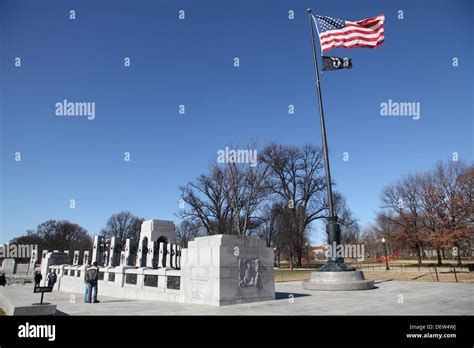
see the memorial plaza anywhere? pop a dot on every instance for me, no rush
(387, 298)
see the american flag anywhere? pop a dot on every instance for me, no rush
(335, 32)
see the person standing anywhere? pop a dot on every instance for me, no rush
(92, 278)
(38, 278)
(52, 279)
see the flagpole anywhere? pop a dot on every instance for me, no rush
(333, 229)
(323, 126)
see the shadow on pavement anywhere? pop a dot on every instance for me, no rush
(61, 314)
(287, 295)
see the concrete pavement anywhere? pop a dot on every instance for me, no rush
(388, 298)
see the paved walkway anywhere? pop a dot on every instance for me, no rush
(389, 298)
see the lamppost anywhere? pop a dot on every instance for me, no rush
(307, 255)
(274, 257)
(385, 251)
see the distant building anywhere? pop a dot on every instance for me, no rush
(319, 251)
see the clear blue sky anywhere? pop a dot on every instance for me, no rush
(190, 62)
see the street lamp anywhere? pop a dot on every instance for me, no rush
(274, 257)
(307, 255)
(385, 251)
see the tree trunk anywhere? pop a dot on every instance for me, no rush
(418, 249)
(291, 261)
(438, 252)
(299, 263)
(459, 255)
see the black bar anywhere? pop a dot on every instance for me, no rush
(242, 330)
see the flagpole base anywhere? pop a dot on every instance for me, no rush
(336, 275)
(338, 281)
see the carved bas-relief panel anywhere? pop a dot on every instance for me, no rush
(248, 273)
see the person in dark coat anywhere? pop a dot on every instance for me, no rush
(38, 278)
(52, 279)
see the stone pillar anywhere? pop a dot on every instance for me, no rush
(127, 253)
(33, 259)
(96, 251)
(106, 258)
(138, 261)
(151, 255)
(168, 256)
(172, 256)
(122, 259)
(176, 253)
(178, 257)
(113, 253)
(85, 261)
(75, 260)
(161, 255)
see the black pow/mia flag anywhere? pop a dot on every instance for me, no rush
(335, 63)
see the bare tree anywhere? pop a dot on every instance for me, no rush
(229, 199)
(187, 231)
(57, 235)
(123, 225)
(289, 237)
(296, 179)
(370, 237)
(267, 230)
(206, 200)
(401, 203)
(466, 182)
(246, 188)
(446, 206)
(350, 229)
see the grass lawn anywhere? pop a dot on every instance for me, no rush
(426, 274)
(423, 275)
(285, 275)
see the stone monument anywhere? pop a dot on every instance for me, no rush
(160, 231)
(227, 269)
(9, 265)
(214, 270)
